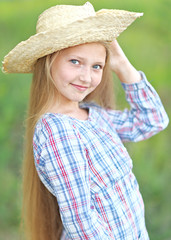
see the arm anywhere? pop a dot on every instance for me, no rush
(62, 166)
(147, 115)
(121, 65)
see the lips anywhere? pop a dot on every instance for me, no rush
(79, 87)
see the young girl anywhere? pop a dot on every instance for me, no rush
(78, 180)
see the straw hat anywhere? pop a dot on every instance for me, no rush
(64, 26)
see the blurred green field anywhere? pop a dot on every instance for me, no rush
(147, 45)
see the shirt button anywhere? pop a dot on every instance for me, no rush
(139, 236)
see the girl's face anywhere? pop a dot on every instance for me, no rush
(78, 70)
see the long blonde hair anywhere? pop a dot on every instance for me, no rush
(40, 213)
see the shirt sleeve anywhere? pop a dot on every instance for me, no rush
(62, 166)
(146, 116)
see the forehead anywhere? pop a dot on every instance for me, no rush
(87, 49)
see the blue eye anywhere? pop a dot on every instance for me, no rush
(97, 67)
(74, 61)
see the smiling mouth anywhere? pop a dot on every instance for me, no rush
(79, 87)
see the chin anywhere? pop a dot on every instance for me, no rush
(78, 99)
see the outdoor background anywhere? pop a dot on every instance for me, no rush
(147, 43)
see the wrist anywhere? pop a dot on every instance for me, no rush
(121, 65)
(129, 76)
(126, 72)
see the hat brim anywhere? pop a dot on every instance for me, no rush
(106, 25)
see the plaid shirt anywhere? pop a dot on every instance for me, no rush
(85, 165)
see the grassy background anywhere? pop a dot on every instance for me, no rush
(147, 45)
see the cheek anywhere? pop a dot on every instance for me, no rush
(96, 80)
(65, 78)
(61, 77)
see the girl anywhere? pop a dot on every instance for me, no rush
(78, 180)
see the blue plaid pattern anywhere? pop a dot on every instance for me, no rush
(86, 166)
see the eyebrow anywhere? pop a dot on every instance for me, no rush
(81, 58)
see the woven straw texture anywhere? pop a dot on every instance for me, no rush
(64, 26)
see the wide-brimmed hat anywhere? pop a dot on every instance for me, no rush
(64, 26)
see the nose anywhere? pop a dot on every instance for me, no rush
(85, 74)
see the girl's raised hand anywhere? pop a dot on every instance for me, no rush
(121, 65)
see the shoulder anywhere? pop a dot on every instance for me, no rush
(51, 124)
(102, 116)
(93, 107)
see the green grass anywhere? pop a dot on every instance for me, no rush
(147, 45)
